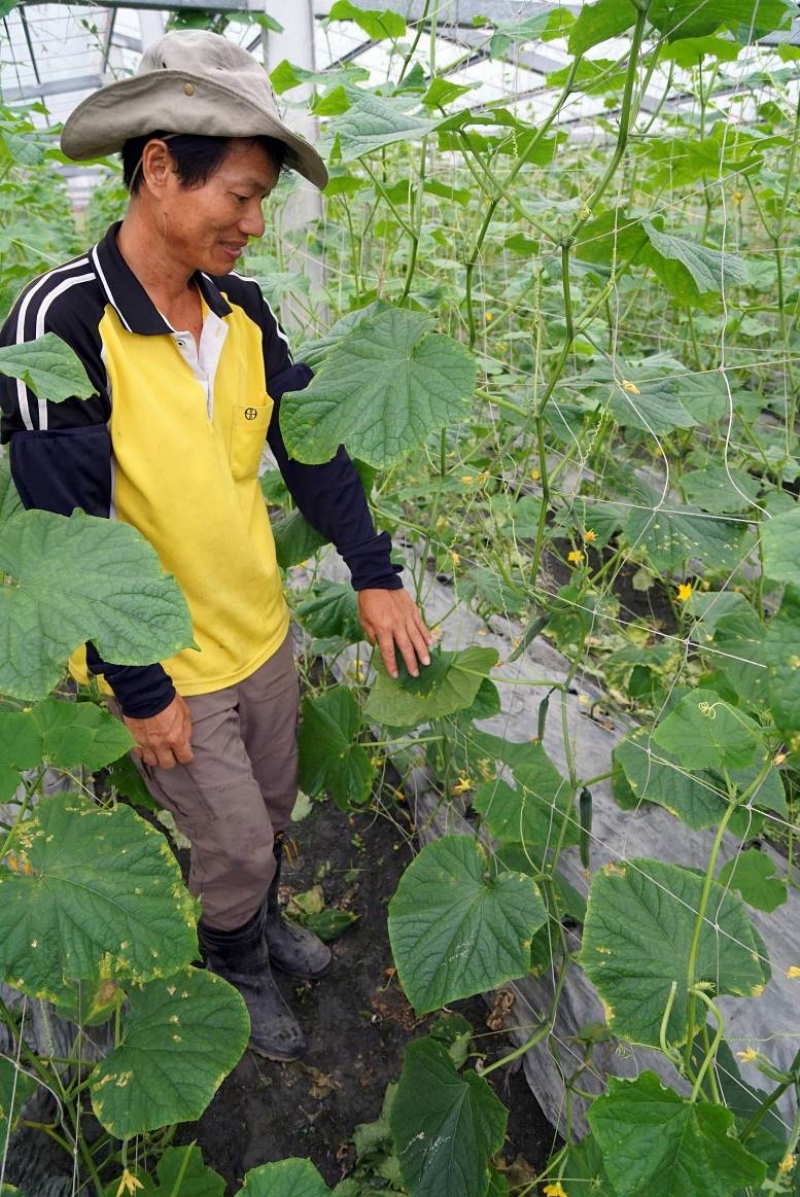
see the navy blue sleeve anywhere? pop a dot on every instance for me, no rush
(64, 468)
(332, 498)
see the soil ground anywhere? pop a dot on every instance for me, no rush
(356, 1020)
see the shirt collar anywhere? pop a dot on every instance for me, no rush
(127, 295)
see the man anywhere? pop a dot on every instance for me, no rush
(189, 364)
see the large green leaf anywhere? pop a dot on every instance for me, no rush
(718, 490)
(450, 683)
(372, 123)
(782, 656)
(739, 651)
(744, 18)
(314, 353)
(780, 541)
(383, 388)
(88, 892)
(639, 926)
(180, 1038)
(446, 1126)
(62, 734)
(704, 732)
(16, 1086)
(456, 928)
(125, 779)
(551, 21)
(295, 539)
(376, 23)
(10, 502)
(672, 536)
(598, 22)
(331, 610)
(689, 51)
(72, 580)
(753, 874)
(657, 1144)
(613, 236)
(676, 160)
(584, 1170)
(330, 757)
(287, 75)
(543, 802)
(536, 811)
(652, 405)
(698, 797)
(657, 776)
(180, 1171)
(49, 367)
(708, 269)
(707, 395)
(287, 1178)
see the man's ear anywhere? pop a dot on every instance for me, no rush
(156, 165)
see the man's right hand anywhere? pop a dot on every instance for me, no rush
(164, 740)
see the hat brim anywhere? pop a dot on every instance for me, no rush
(178, 102)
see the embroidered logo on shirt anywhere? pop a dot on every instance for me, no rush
(250, 413)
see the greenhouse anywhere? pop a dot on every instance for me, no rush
(400, 547)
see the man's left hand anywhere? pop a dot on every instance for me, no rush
(391, 619)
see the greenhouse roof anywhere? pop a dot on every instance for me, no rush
(53, 55)
(58, 53)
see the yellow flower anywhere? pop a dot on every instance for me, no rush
(793, 973)
(467, 478)
(576, 555)
(684, 592)
(462, 786)
(556, 1190)
(737, 198)
(535, 475)
(454, 557)
(489, 317)
(483, 477)
(590, 536)
(129, 1184)
(748, 1055)
(630, 387)
(787, 1163)
(779, 758)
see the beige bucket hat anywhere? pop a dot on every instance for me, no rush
(189, 81)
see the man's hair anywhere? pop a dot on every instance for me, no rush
(196, 158)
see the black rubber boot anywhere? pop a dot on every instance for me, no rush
(292, 949)
(242, 958)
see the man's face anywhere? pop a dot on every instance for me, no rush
(207, 227)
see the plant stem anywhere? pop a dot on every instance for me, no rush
(30, 789)
(541, 1032)
(774, 1098)
(691, 978)
(417, 232)
(420, 29)
(711, 1054)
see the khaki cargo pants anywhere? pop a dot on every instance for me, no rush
(239, 791)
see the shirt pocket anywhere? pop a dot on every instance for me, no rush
(248, 436)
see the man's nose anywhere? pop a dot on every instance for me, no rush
(252, 222)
